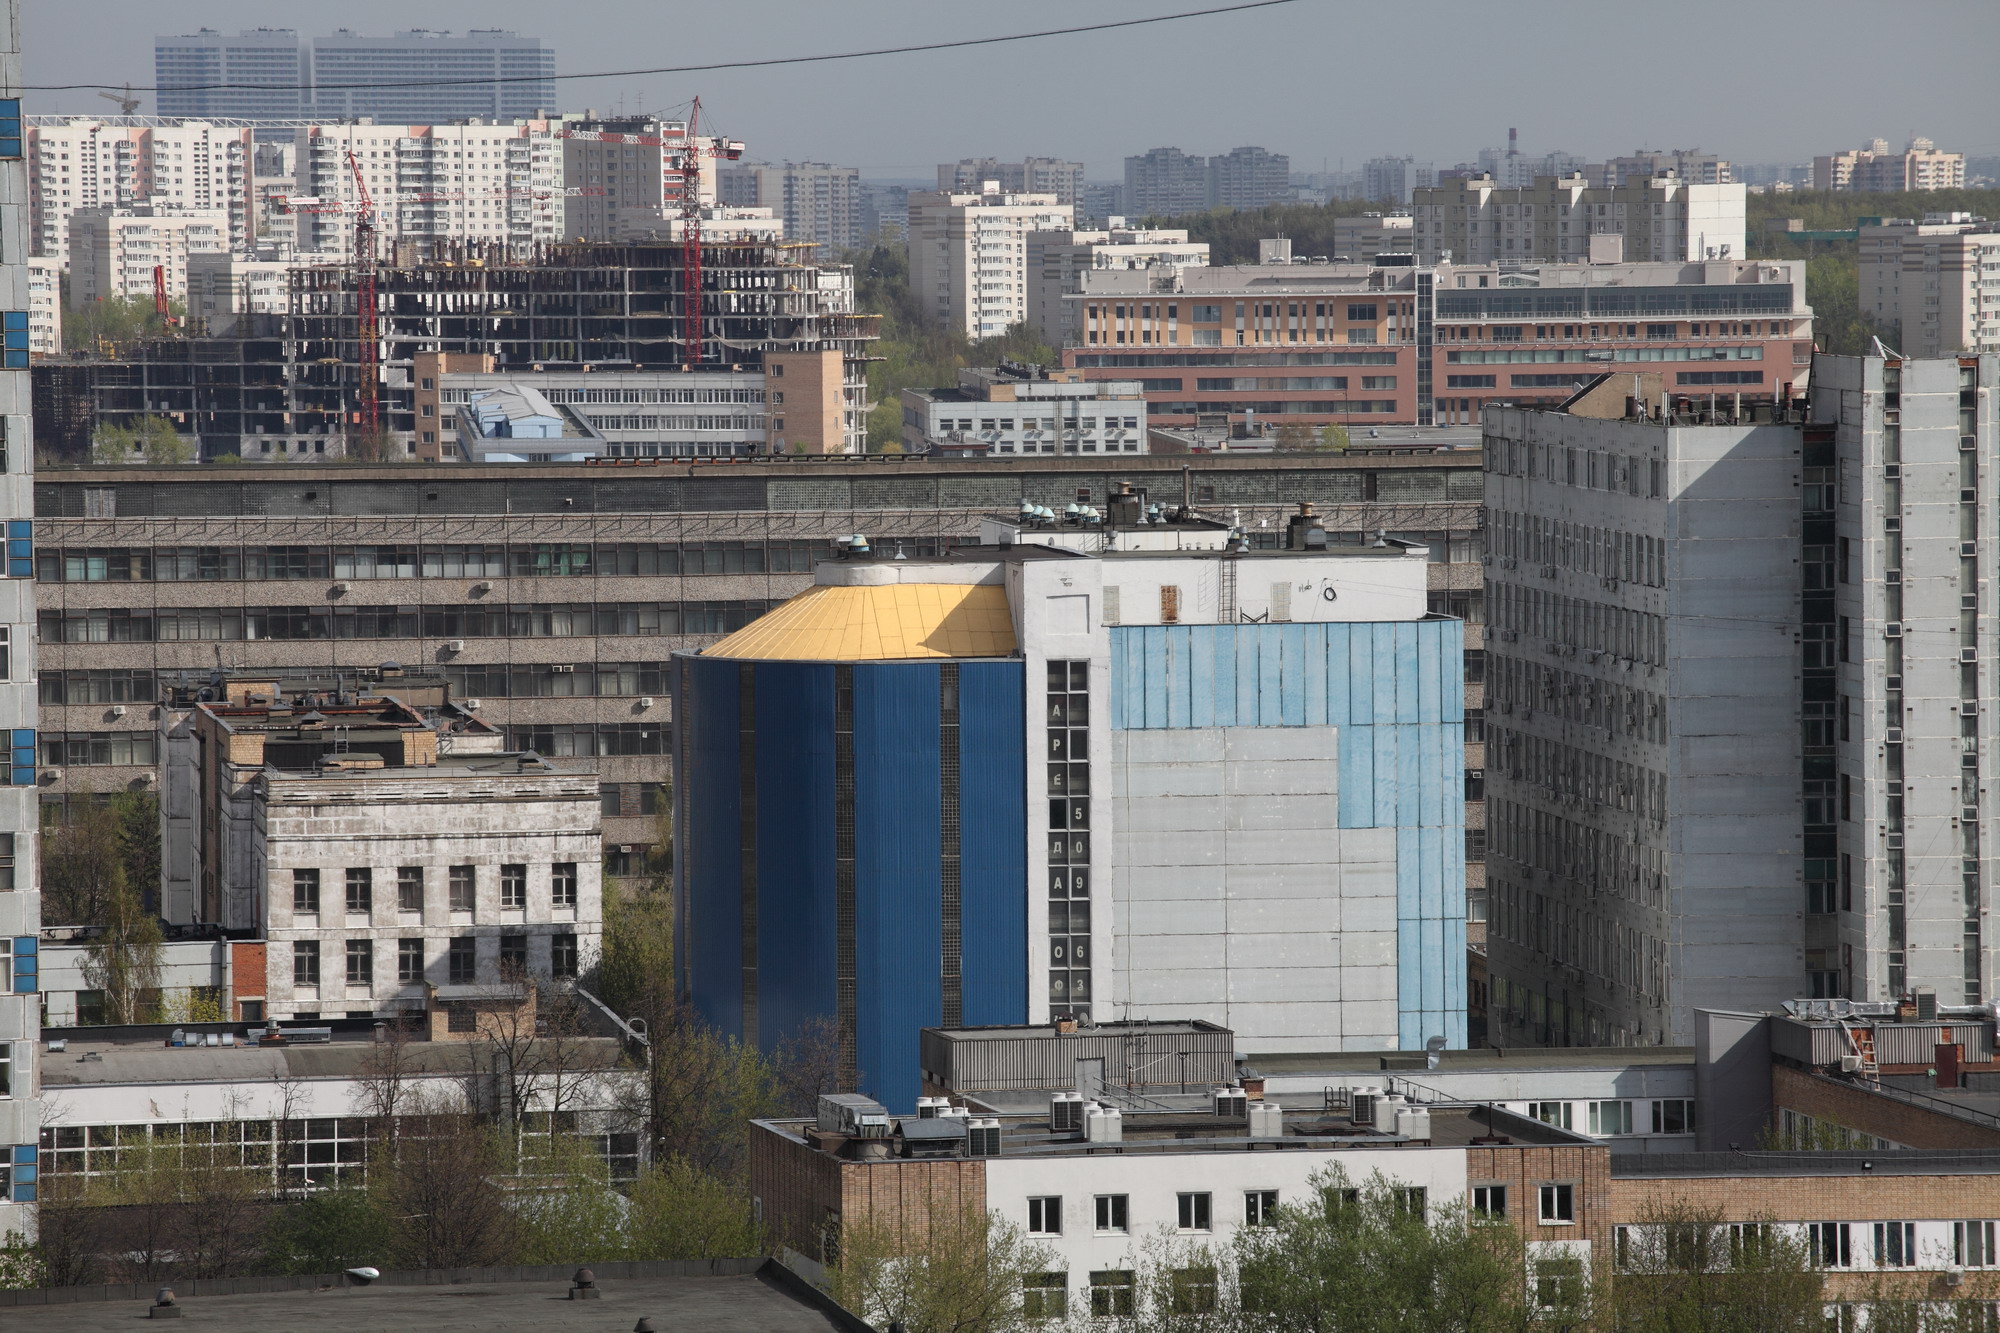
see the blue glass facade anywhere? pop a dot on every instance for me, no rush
(819, 874)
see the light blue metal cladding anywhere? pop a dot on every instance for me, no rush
(1393, 696)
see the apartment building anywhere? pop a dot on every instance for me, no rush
(1935, 284)
(1393, 343)
(1056, 258)
(1688, 164)
(818, 202)
(20, 899)
(1873, 168)
(81, 164)
(385, 850)
(44, 308)
(1166, 183)
(1249, 177)
(223, 288)
(1642, 825)
(419, 74)
(128, 253)
(1391, 179)
(969, 256)
(1661, 219)
(1032, 175)
(1015, 409)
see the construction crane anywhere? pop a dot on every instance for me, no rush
(127, 103)
(367, 329)
(160, 293)
(682, 156)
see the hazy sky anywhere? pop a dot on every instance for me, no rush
(1754, 80)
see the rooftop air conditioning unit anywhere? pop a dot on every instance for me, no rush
(454, 645)
(982, 1138)
(1850, 1064)
(469, 705)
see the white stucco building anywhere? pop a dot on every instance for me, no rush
(113, 253)
(969, 255)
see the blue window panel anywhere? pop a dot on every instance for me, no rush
(1201, 676)
(711, 964)
(25, 965)
(24, 1155)
(20, 549)
(898, 927)
(993, 843)
(10, 127)
(24, 1192)
(797, 930)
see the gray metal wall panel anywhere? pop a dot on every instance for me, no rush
(973, 492)
(226, 498)
(279, 499)
(374, 497)
(809, 493)
(1408, 487)
(465, 497)
(552, 496)
(894, 492)
(711, 492)
(639, 494)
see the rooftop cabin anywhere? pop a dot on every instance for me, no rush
(260, 723)
(518, 424)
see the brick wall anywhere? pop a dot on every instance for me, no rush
(1525, 1169)
(1855, 1108)
(800, 1189)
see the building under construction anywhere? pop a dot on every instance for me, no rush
(296, 389)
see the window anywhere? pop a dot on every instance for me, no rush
(1192, 1290)
(361, 962)
(513, 887)
(562, 955)
(1674, 1115)
(1559, 1282)
(360, 889)
(1550, 1113)
(10, 127)
(1489, 1202)
(410, 888)
(1044, 1295)
(1112, 1292)
(1112, 1214)
(1363, 313)
(409, 961)
(1895, 1244)
(1045, 1215)
(1194, 1212)
(463, 887)
(305, 890)
(1260, 1208)
(1607, 1118)
(513, 955)
(1412, 1199)
(1971, 1242)
(562, 884)
(7, 1069)
(1558, 1205)
(462, 961)
(305, 962)
(1828, 1243)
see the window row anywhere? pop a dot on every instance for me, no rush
(1112, 1214)
(180, 564)
(356, 959)
(1618, 1117)
(544, 620)
(461, 888)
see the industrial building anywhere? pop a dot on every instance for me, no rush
(389, 851)
(1391, 342)
(1741, 685)
(554, 594)
(20, 897)
(1252, 755)
(1010, 408)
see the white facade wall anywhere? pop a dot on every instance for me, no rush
(221, 286)
(44, 307)
(969, 256)
(433, 819)
(1152, 1182)
(1057, 259)
(1098, 417)
(1661, 220)
(185, 965)
(1643, 763)
(1936, 286)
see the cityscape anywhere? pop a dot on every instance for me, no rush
(607, 707)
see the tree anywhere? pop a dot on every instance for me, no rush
(87, 861)
(340, 1227)
(1682, 1269)
(1333, 436)
(568, 1209)
(440, 1189)
(150, 440)
(83, 865)
(116, 320)
(1364, 1257)
(678, 1212)
(965, 1273)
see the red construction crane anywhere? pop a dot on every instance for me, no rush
(367, 325)
(160, 292)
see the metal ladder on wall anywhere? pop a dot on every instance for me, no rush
(1861, 1043)
(1226, 596)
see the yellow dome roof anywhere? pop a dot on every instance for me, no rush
(879, 622)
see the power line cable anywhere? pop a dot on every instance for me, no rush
(670, 69)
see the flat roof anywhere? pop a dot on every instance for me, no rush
(1888, 1162)
(1493, 1060)
(745, 1303)
(1018, 1032)
(92, 1061)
